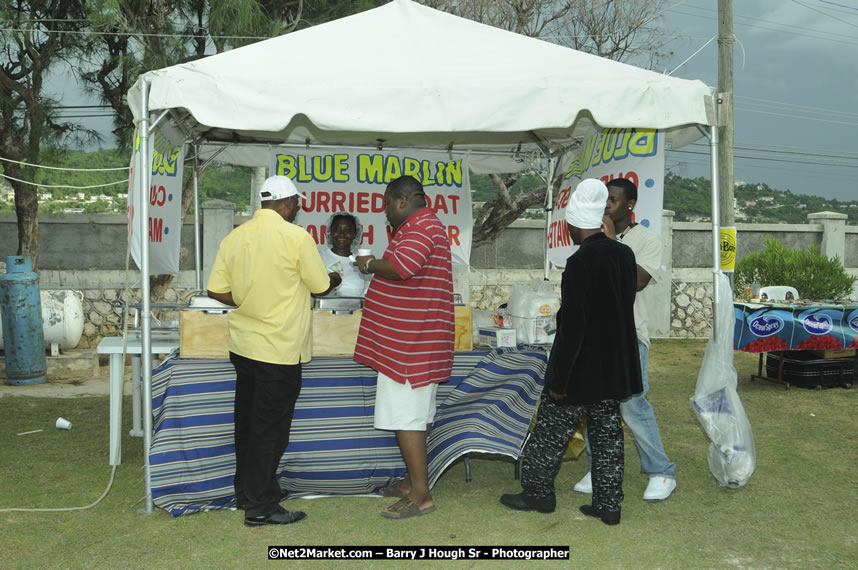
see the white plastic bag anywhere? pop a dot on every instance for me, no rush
(732, 455)
(533, 308)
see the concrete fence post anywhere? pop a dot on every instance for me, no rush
(833, 233)
(218, 220)
(659, 314)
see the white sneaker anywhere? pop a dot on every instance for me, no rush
(659, 488)
(585, 485)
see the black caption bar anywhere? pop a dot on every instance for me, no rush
(418, 553)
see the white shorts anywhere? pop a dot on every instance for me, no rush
(399, 407)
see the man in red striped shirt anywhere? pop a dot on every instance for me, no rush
(407, 334)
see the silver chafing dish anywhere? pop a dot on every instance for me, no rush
(337, 305)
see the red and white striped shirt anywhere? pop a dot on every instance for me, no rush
(407, 330)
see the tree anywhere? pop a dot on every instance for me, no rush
(130, 38)
(37, 36)
(622, 30)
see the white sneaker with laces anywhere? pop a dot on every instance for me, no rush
(659, 488)
(585, 485)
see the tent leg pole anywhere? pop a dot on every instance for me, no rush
(549, 207)
(197, 272)
(716, 230)
(146, 358)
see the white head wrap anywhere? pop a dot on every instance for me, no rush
(586, 207)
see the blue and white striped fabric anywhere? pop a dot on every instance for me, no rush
(486, 407)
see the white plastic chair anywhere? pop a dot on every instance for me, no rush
(778, 293)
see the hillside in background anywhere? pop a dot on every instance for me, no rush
(219, 181)
(690, 198)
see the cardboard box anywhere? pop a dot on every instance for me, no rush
(464, 328)
(835, 353)
(333, 334)
(496, 337)
(203, 335)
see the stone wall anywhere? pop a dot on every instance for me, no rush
(87, 253)
(691, 309)
(103, 311)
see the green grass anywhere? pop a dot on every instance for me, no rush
(797, 511)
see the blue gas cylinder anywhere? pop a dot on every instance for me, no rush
(21, 311)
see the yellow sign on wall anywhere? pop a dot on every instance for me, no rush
(728, 249)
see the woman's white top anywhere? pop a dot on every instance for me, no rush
(354, 282)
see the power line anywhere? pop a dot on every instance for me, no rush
(824, 13)
(797, 106)
(86, 116)
(83, 107)
(799, 117)
(784, 152)
(63, 168)
(827, 36)
(838, 5)
(773, 159)
(138, 34)
(64, 185)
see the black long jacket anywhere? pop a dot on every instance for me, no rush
(595, 353)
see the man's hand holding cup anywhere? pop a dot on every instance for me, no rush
(363, 258)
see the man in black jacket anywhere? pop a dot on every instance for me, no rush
(594, 364)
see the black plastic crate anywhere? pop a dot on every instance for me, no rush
(805, 369)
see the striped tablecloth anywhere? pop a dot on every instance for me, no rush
(486, 407)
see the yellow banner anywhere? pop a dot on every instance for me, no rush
(728, 249)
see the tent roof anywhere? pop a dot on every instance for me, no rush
(415, 76)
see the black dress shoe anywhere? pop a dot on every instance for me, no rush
(278, 517)
(524, 502)
(608, 517)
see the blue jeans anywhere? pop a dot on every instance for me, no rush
(640, 417)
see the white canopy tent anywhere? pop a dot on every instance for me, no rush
(404, 75)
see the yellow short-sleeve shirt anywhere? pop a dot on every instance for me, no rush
(271, 266)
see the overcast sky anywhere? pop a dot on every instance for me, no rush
(795, 86)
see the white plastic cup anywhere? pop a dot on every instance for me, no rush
(63, 423)
(364, 251)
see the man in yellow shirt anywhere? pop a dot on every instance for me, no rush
(267, 267)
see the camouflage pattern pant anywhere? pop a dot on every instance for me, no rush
(555, 424)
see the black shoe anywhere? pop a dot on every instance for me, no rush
(524, 502)
(278, 517)
(608, 517)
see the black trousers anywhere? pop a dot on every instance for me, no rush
(555, 424)
(265, 396)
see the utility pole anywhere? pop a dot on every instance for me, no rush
(725, 132)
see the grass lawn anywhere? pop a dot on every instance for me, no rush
(797, 511)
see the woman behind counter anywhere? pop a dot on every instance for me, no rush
(341, 238)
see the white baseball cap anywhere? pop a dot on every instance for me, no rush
(277, 188)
